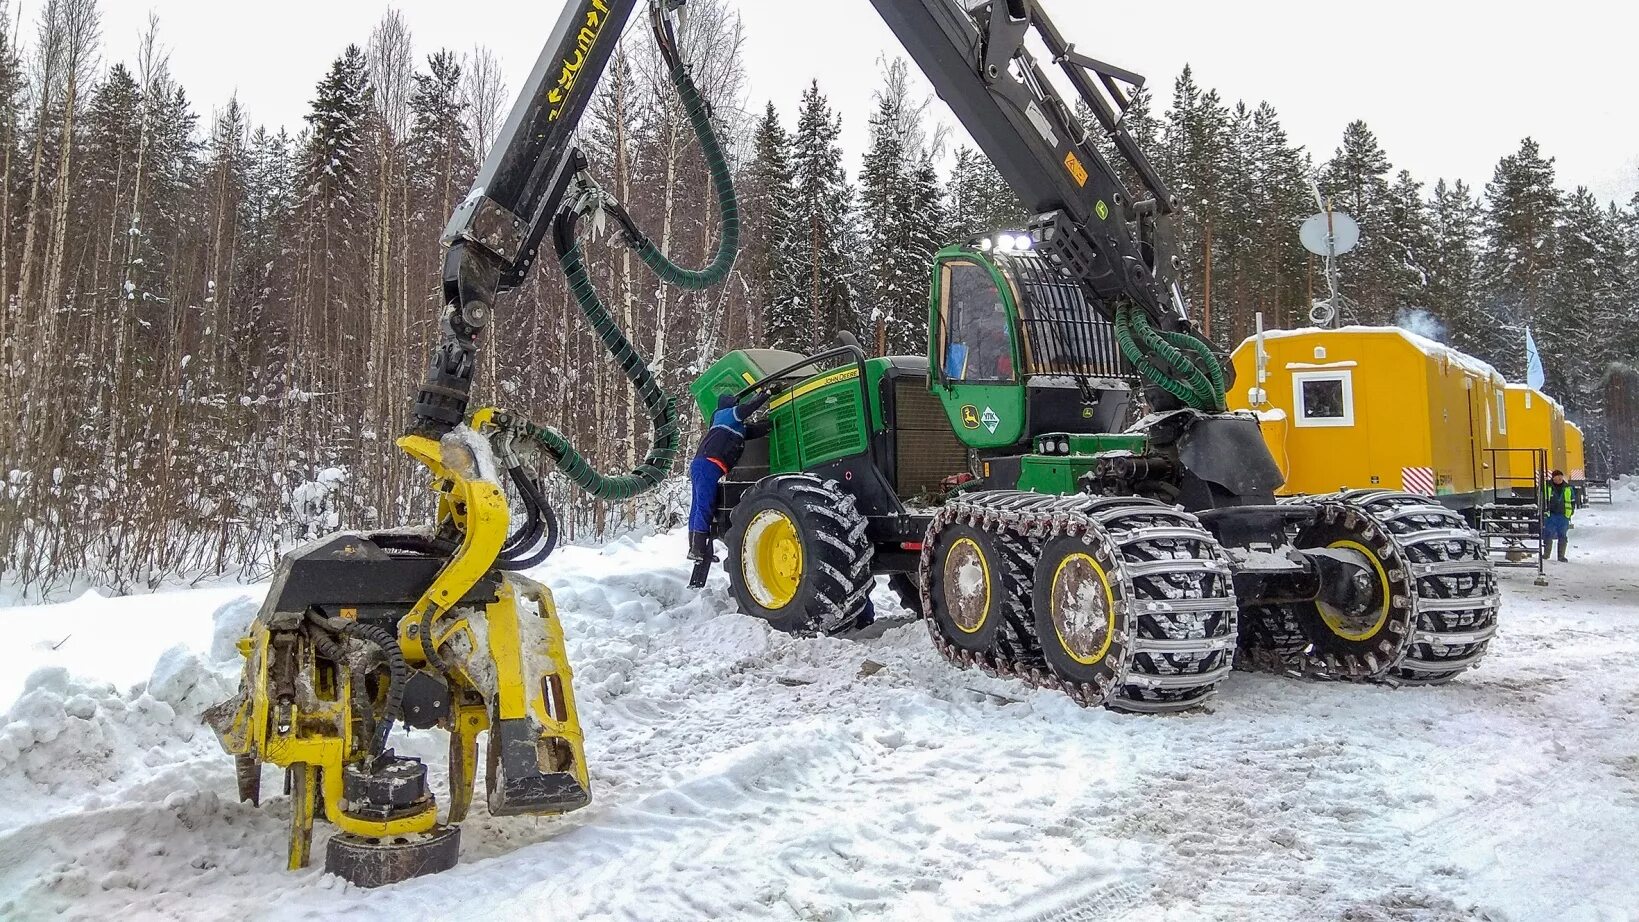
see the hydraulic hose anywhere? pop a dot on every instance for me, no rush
(722, 181)
(1197, 379)
(660, 406)
(398, 669)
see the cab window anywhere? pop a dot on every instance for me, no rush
(977, 339)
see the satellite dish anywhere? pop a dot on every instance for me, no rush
(1330, 234)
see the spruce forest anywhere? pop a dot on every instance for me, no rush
(212, 329)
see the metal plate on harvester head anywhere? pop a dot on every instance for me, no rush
(378, 862)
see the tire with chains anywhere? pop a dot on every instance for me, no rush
(1132, 599)
(1442, 610)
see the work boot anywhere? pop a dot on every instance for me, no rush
(1562, 544)
(697, 579)
(699, 546)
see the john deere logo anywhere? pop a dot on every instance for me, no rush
(970, 416)
(1103, 210)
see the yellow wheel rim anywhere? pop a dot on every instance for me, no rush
(967, 585)
(1347, 626)
(771, 561)
(1083, 608)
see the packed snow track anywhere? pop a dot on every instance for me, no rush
(740, 773)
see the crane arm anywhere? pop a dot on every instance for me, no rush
(975, 55)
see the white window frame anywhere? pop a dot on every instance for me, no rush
(1502, 412)
(1300, 412)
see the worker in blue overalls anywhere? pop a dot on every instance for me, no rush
(719, 452)
(1558, 504)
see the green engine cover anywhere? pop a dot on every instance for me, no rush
(817, 418)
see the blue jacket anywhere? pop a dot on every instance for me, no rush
(725, 441)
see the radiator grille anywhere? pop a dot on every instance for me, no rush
(926, 449)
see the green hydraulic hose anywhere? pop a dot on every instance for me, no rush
(699, 115)
(1208, 359)
(1201, 384)
(1143, 351)
(661, 407)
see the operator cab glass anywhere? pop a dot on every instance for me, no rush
(977, 337)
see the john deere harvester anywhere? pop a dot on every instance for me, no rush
(1056, 483)
(1000, 480)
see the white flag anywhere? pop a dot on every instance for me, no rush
(1534, 375)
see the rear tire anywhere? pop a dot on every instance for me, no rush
(971, 588)
(1083, 617)
(798, 556)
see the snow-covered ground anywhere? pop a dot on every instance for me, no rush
(744, 774)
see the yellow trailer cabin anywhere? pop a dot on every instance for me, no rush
(1535, 421)
(1576, 460)
(1364, 407)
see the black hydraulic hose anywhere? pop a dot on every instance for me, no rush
(398, 669)
(530, 531)
(548, 520)
(398, 675)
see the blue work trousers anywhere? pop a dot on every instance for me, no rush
(707, 478)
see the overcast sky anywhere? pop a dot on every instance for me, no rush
(1448, 87)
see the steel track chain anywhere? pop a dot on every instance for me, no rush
(1190, 602)
(1453, 601)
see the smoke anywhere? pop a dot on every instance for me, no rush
(1419, 321)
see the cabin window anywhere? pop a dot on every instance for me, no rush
(1502, 413)
(978, 342)
(1324, 398)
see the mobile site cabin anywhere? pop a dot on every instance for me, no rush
(1536, 425)
(1364, 407)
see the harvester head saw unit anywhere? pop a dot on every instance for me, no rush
(433, 627)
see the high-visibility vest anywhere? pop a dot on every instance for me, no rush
(1564, 504)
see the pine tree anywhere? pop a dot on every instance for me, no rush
(1452, 265)
(884, 204)
(770, 198)
(331, 163)
(822, 224)
(980, 201)
(1409, 236)
(438, 158)
(1281, 200)
(1522, 207)
(927, 233)
(1584, 297)
(1197, 138)
(1356, 182)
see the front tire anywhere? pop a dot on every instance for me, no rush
(798, 556)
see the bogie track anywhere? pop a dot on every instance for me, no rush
(1120, 602)
(1439, 606)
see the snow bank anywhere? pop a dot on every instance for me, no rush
(739, 773)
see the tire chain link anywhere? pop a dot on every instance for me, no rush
(1023, 523)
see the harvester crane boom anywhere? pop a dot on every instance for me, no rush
(1116, 246)
(1087, 219)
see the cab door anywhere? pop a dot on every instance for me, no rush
(974, 356)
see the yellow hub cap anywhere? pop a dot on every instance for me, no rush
(1364, 626)
(967, 585)
(771, 560)
(1083, 608)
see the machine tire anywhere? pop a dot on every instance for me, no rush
(798, 556)
(1085, 629)
(969, 617)
(1441, 608)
